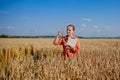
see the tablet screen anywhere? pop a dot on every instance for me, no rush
(72, 41)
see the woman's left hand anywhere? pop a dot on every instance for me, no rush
(68, 45)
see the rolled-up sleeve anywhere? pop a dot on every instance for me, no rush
(59, 41)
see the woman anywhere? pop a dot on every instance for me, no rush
(70, 48)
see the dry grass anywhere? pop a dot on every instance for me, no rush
(38, 59)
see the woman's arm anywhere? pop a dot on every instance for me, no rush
(77, 47)
(56, 40)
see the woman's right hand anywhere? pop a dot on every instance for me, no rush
(60, 32)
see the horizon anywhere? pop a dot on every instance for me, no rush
(92, 18)
(46, 36)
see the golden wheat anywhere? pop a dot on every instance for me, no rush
(39, 59)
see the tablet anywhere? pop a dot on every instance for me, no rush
(72, 41)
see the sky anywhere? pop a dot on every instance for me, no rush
(92, 18)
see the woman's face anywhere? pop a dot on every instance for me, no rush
(70, 30)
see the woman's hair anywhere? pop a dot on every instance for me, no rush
(71, 26)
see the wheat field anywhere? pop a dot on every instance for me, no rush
(39, 59)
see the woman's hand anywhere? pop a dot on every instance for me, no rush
(68, 45)
(60, 32)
